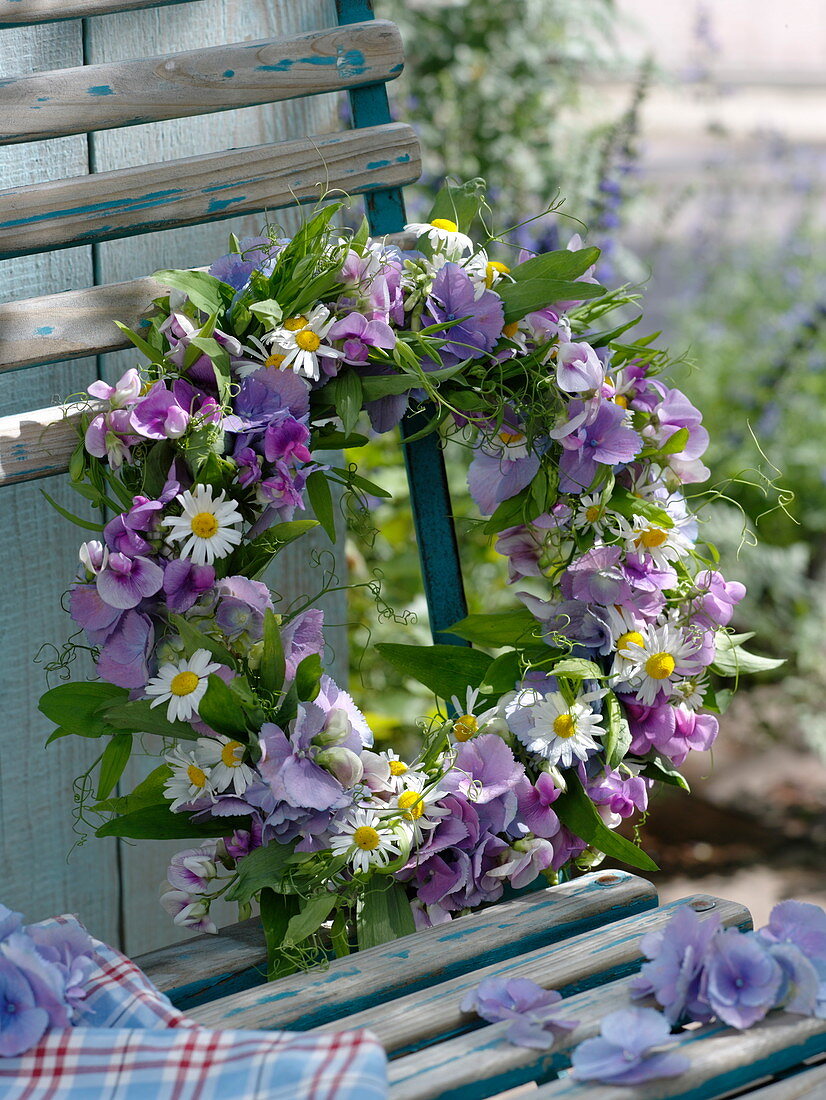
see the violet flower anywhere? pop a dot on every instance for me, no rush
(360, 335)
(628, 1050)
(286, 439)
(193, 869)
(126, 581)
(288, 766)
(110, 435)
(497, 474)
(126, 390)
(453, 299)
(532, 1010)
(578, 368)
(184, 583)
(158, 415)
(674, 972)
(124, 659)
(22, 1022)
(485, 768)
(741, 979)
(535, 801)
(604, 441)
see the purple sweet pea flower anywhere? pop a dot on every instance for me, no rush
(597, 577)
(244, 841)
(741, 979)
(126, 390)
(578, 368)
(532, 1010)
(453, 298)
(126, 581)
(675, 411)
(158, 415)
(621, 795)
(715, 604)
(301, 637)
(674, 974)
(285, 439)
(97, 618)
(241, 606)
(22, 1021)
(124, 659)
(535, 801)
(288, 767)
(604, 441)
(110, 435)
(628, 1050)
(485, 768)
(256, 254)
(184, 583)
(124, 539)
(360, 335)
(283, 489)
(524, 862)
(249, 464)
(265, 396)
(193, 869)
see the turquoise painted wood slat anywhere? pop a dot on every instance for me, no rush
(21, 13)
(424, 460)
(195, 82)
(377, 976)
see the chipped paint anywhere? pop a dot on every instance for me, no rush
(100, 89)
(44, 330)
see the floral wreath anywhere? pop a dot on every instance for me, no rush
(599, 682)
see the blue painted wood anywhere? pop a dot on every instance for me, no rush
(424, 460)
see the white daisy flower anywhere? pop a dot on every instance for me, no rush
(691, 692)
(485, 273)
(665, 654)
(182, 685)
(466, 724)
(443, 236)
(593, 515)
(417, 805)
(258, 357)
(189, 780)
(207, 525)
(401, 772)
(647, 540)
(300, 339)
(560, 732)
(225, 759)
(366, 840)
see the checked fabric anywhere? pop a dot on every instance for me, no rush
(131, 1043)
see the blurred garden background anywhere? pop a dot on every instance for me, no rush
(689, 143)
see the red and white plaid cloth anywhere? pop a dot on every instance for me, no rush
(131, 1043)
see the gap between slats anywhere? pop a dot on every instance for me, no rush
(219, 78)
(90, 209)
(22, 13)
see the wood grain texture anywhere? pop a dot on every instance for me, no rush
(808, 1085)
(721, 1060)
(573, 964)
(37, 444)
(434, 955)
(180, 85)
(19, 13)
(39, 550)
(206, 188)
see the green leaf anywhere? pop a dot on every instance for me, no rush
(205, 292)
(321, 502)
(386, 385)
(347, 397)
(288, 708)
(498, 628)
(385, 913)
(732, 660)
(221, 711)
(307, 677)
(509, 513)
(576, 810)
(159, 457)
(276, 913)
(560, 265)
(152, 354)
(600, 339)
(160, 823)
(352, 478)
(261, 868)
(269, 312)
(86, 524)
(114, 760)
(445, 669)
(673, 445)
(625, 504)
(577, 666)
(657, 767)
(77, 707)
(528, 295)
(618, 732)
(149, 792)
(140, 716)
(271, 672)
(61, 731)
(459, 203)
(324, 440)
(195, 639)
(502, 674)
(251, 559)
(310, 919)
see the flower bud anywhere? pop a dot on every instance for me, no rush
(93, 556)
(336, 728)
(343, 764)
(254, 655)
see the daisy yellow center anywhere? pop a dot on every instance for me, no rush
(397, 767)
(659, 666)
(564, 725)
(146, 387)
(196, 775)
(446, 224)
(511, 330)
(492, 268)
(204, 525)
(184, 683)
(593, 513)
(412, 802)
(651, 538)
(274, 360)
(308, 340)
(366, 838)
(230, 756)
(465, 727)
(293, 324)
(621, 400)
(629, 636)
(511, 437)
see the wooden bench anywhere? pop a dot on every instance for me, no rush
(582, 938)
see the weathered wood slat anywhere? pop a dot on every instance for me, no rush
(219, 78)
(21, 13)
(721, 1060)
(808, 1085)
(590, 958)
(415, 962)
(37, 444)
(161, 196)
